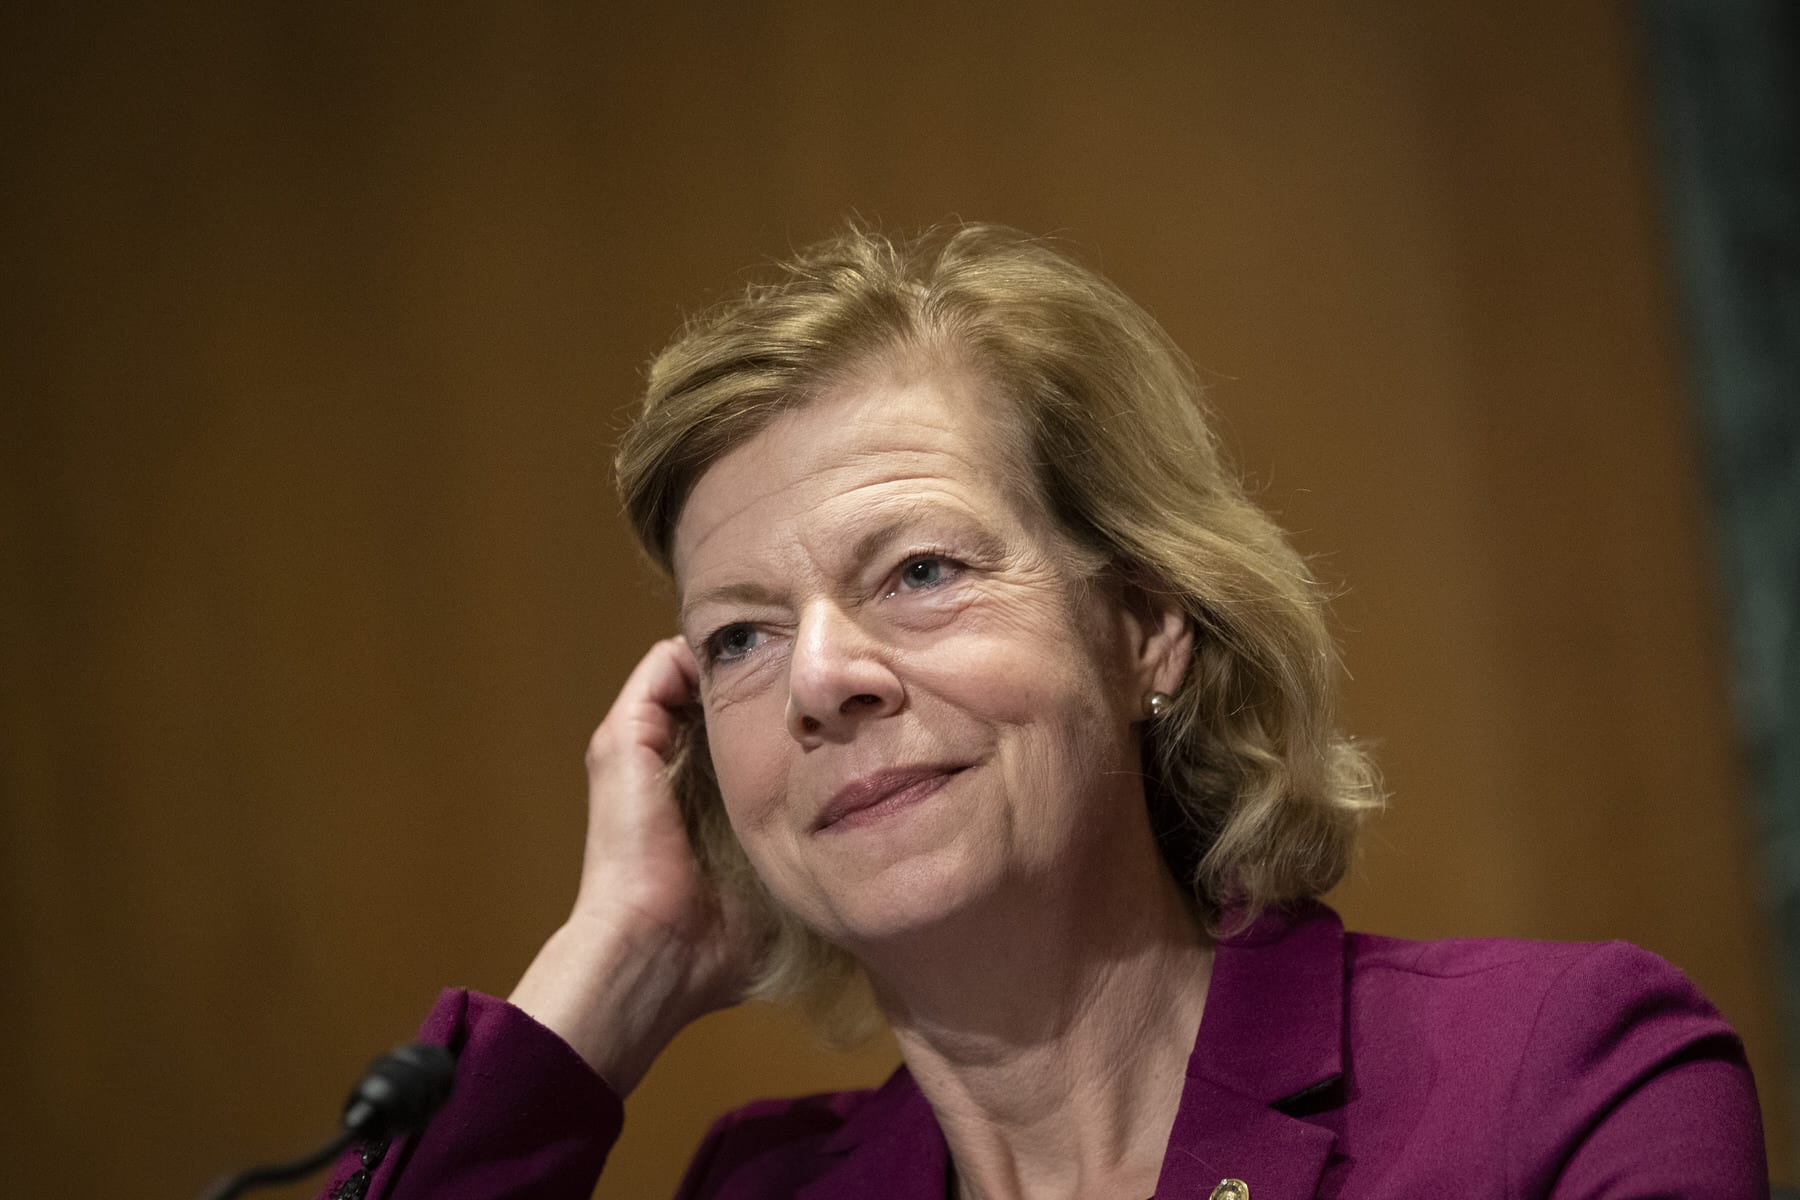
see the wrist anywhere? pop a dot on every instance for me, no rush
(617, 996)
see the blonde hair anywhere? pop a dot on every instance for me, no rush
(1254, 794)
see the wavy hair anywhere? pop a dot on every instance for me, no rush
(1254, 794)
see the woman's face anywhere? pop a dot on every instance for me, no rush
(913, 704)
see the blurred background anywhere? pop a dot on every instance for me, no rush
(321, 322)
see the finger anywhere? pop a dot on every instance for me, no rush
(656, 698)
(687, 661)
(666, 675)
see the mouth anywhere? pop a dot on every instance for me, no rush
(874, 796)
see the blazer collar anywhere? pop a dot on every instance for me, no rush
(1274, 1022)
(1272, 1037)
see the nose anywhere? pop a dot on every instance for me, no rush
(838, 677)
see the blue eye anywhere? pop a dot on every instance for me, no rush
(922, 571)
(732, 642)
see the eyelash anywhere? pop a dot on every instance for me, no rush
(709, 645)
(929, 555)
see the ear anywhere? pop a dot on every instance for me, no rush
(1161, 639)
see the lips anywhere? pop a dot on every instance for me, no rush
(873, 795)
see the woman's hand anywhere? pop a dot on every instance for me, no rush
(650, 944)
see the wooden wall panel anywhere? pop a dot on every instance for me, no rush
(322, 328)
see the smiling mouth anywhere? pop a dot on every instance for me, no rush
(874, 797)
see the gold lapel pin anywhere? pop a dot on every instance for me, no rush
(1231, 1189)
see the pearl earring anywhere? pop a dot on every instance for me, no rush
(1160, 704)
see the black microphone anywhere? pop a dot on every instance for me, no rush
(398, 1095)
(401, 1091)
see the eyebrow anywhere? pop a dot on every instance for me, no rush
(898, 518)
(730, 593)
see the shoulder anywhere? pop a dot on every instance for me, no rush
(1553, 1008)
(1434, 967)
(1523, 989)
(856, 1143)
(780, 1147)
(795, 1126)
(1568, 1058)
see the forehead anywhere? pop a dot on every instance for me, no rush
(860, 450)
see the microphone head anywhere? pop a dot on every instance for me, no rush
(401, 1091)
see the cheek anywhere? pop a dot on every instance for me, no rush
(1029, 662)
(1068, 729)
(749, 757)
(1051, 693)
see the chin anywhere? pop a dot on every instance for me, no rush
(911, 897)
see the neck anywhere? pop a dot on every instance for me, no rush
(1050, 1031)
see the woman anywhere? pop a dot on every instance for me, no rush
(997, 706)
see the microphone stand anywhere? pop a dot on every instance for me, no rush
(398, 1095)
(269, 1176)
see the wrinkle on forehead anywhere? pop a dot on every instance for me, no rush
(852, 528)
(840, 522)
(929, 428)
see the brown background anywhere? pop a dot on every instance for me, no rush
(322, 327)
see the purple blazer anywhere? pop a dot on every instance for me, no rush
(1327, 1065)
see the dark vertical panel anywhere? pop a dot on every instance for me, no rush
(1728, 102)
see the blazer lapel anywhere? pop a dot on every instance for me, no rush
(1272, 1032)
(1221, 1135)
